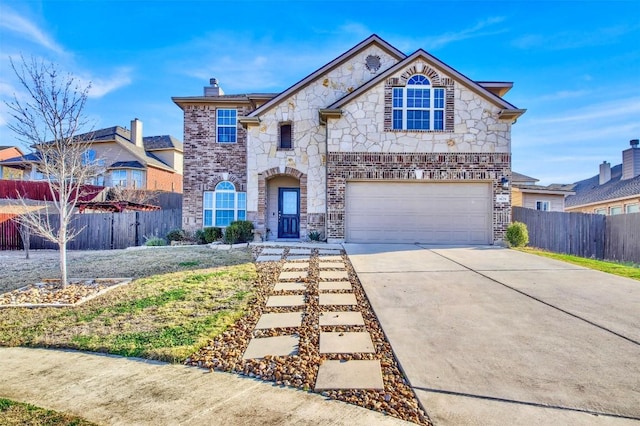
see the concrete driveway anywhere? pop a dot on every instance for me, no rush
(492, 336)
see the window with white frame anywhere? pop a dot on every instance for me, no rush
(632, 208)
(226, 125)
(137, 177)
(600, 211)
(418, 105)
(615, 210)
(119, 178)
(543, 206)
(224, 205)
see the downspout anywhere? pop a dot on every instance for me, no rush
(326, 181)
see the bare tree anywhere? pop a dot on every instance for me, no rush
(48, 119)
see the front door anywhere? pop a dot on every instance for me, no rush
(288, 212)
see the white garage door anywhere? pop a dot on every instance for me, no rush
(433, 213)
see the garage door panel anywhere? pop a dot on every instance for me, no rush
(437, 213)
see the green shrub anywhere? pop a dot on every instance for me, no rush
(314, 235)
(239, 231)
(177, 235)
(211, 234)
(198, 237)
(517, 235)
(155, 241)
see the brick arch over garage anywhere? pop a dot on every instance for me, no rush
(263, 179)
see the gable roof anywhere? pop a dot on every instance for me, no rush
(589, 191)
(154, 143)
(371, 40)
(507, 107)
(519, 177)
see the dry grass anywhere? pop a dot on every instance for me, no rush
(164, 315)
(136, 263)
(15, 413)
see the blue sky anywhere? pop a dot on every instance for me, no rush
(575, 64)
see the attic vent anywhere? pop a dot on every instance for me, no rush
(372, 63)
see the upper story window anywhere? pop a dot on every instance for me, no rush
(600, 211)
(88, 157)
(543, 205)
(224, 205)
(285, 136)
(226, 125)
(418, 105)
(632, 208)
(615, 210)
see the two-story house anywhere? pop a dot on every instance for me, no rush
(374, 146)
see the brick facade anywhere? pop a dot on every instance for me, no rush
(437, 167)
(207, 162)
(163, 180)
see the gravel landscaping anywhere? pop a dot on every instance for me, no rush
(300, 371)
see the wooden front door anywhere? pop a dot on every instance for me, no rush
(288, 212)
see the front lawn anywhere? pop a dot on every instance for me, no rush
(628, 271)
(17, 413)
(166, 317)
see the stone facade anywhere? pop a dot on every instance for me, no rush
(354, 141)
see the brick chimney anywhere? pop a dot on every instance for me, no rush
(213, 89)
(631, 161)
(605, 173)
(136, 133)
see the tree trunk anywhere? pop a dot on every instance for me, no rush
(62, 245)
(25, 234)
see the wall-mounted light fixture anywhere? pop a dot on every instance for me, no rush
(505, 182)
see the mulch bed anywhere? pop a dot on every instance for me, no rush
(224, 353)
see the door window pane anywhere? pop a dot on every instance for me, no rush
(289, 202)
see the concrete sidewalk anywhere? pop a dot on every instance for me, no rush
(112, 390)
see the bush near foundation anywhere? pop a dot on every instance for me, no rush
(517, 235)
(239, 231)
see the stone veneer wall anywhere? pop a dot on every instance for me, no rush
(208, 161)
(437, 167)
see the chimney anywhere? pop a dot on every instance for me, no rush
(136, 133)
(631, 161)
(213, 89)
(605, 173)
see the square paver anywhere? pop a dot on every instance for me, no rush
(279, 251)
(277, 346)
(289, 287)
(337, 299)
(268, 258)
(338, 342)
(334, 275)
(331, 265)
(280, 320)
(330, 258)
(295, 265)
(293, 275)
(341, 318)
(299, 257)
(355, 374)
(334, 285)
(285, 301)
(296, 251)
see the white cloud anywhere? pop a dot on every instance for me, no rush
(480, 29)
(574, 39)
(103, 86)
(618, 108)
(27, 29)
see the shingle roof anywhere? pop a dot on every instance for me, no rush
(588, 191)
(127, 164)
(31, 157)
(519, 177)
(152, 143)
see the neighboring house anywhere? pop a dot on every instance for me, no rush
(615, 190)
(126, 157)
(8, 172)
(375, 146)
(526, 193)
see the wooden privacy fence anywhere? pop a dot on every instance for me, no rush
(104, 231)
(587, 235)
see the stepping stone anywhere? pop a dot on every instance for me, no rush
(280, 320)
(330, 258)
(341, 318)
(268, 258)
(290, 287)
(277, 346)
(296, 265)
(334, 275)
(300, 251)
(355, 374)
(337, 299)
(329, 252)
(331, 265)
(298, 257)
(334, 285)
(285, 301)
(340, 342)
(292, 275)
(279, 251)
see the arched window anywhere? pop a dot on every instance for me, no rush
(418, 105)
(224, 205)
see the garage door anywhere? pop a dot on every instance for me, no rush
(433, 213)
